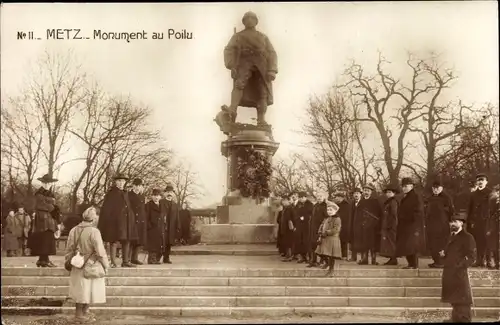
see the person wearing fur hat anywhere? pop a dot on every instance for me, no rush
(410, 241)
(458, 256)
(329, 237)
(345, 216)
(493, 231)
(438, 214)
(288, 215)
(477, 213)
(355, 221)
(117, 221)
(172, 222)
(367, 238)
(389, 225)
(42, 242)
(137, 203)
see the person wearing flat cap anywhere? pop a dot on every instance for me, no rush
(117, 221)
(438, 214)
(355, 220)
(45, 224)
(172, 222)
(329, 237)
(477, 213)
(458, 256)
(304, 211)
(138, 205)
(367, 232)
(389, 226)
(410, 239)
(493, 231)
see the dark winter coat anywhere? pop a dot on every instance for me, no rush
(460, 253)
(389, 228)
(185, 222)
(368, 220)
(156, 221)
(304, 212)
(287, 218)
(345, 217)
(47, 216)
(172, 220)
(438, 215)
(493, 226)
(318, 215)
(477, 214)
(355, 221)
(139, 209)
(116, 219)
(410, 237)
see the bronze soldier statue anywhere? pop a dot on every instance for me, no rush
(253, 64)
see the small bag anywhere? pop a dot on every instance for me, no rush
(93, 269)
(77, 261)
(68, 264)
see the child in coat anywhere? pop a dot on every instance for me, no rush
(329, 237)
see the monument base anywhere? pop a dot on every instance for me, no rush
(237, 234)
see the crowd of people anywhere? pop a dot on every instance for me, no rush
(126, 220)
(317, 230)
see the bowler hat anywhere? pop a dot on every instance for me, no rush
(357, 190)
(481, 175)
(407, 181)
(169, 188)
(156, 192)
(47, 179)
(460, 215)
(137, 182)
(369, 186)
(391, 187)
(121, 176)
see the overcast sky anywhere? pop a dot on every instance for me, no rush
(185, 81)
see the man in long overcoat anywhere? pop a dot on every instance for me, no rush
(155, 218)
(477, 214)
(367, 237)
(304, 212)
(438, 215)
(345, 218)
(172, 224)
(318, 215)
(138, 205)
(287, 227)
(458, 256)
(493, 231)
(355, 222)
(410, 239)
(117, 221)
(43, 243)
(389, 226)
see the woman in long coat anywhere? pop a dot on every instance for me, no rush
(12, 231)
(155, 220)
(87, 238)
(329, 237)
(47, 217)
(389, 225)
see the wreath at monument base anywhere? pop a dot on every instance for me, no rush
(254, 173)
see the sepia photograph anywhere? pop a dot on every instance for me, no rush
(250, 163)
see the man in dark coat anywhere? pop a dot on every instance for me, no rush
(459, 255)
(155, 218)
(117, 221)
(355, 222)
(345, 218)
(185, 219)
(477, 214)
(294, 203)
(172, 224)
(389, 226)
(137, 203)
(287, 227)
(438, 215)
(47, 218)
(318, 215)
(367, 238)
(410, 239)
(493, 231)
(304, 212)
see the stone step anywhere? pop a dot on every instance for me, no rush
(248, 281)
(37, 291)
(408, 314)
(161, 271)
(247, 301)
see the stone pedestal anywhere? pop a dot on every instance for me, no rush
(242, 220)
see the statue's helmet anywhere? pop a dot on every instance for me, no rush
(249, 14)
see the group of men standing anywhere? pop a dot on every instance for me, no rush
(392, 228)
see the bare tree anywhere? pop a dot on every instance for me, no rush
(291, 175)
(185, 182)
(55, 91)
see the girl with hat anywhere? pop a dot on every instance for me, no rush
(329, 237)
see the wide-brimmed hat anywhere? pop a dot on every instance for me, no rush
(120, 176)
(407, 181)
(369, 186)
(47, 179)
(330, 204)
(391, 187)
